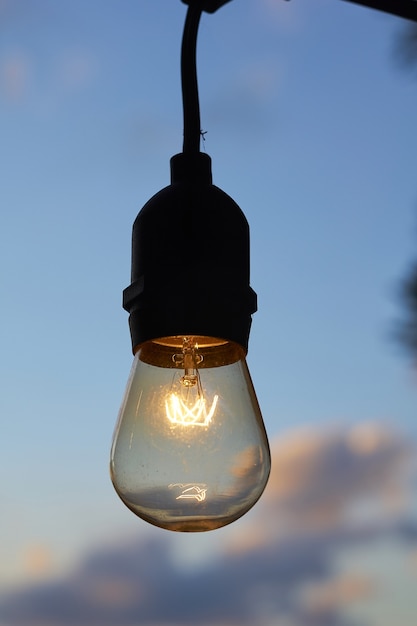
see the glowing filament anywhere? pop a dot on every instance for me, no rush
(178, 412)
(186, 404)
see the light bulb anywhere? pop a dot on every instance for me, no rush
(190, 452)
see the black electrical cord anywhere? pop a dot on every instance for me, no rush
(190, 100)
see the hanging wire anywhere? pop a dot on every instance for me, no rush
(403, 8)
(191, 104)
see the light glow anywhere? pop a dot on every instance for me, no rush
(178, 412)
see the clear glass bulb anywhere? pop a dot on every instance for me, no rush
(190, 452)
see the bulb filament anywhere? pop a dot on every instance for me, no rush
(197, 415)
(186, 404)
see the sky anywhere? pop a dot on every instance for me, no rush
(310, 121)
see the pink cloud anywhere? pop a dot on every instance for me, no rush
(14, 75)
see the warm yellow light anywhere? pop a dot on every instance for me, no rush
(186, 404)
(190, 451)
(180, 412)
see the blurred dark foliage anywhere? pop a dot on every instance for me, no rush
(406, 53)
(408, 328)
(406, 47)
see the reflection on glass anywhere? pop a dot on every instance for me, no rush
(195, 492)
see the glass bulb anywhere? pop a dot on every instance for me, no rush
(190, 452)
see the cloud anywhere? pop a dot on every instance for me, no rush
(77, 69)
(320, 598)
(321, 475)
(25, 78)
(14, 76)
(275, 566)
(37, 560)
(242, 103)
(283, 16)
(324, 480)
(6, 7)
(138, 584)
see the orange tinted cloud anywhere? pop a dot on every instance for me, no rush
(326, 479)
(37, 560)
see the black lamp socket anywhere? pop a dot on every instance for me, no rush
(209, 6)
(190, 261)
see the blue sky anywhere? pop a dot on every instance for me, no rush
(311, 126)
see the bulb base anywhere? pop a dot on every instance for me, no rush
(190, 261)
